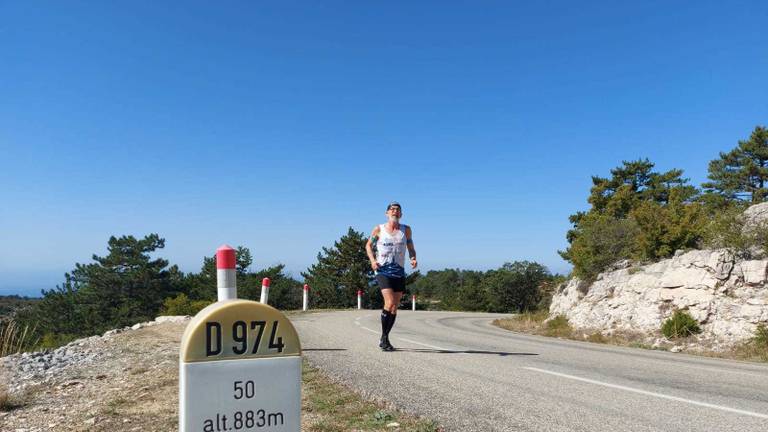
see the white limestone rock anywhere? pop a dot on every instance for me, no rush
(756, 215)
(754, 272)
(172, 319)
(728, 297)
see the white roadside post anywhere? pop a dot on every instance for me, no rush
(305, 303)
(226, 277)
(239, 365)
(265, 291)
(413, 302)
(359, 299)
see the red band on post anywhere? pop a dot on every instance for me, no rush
(265, 282)
(359, 292)
(225, 258)
(306, 287)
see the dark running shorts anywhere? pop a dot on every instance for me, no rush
(396, 284)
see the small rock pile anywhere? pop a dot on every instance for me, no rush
(36, 368)
(41, 367)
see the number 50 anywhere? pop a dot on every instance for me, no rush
(247, 389)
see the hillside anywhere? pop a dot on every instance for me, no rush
(125, 380)
(9, 304)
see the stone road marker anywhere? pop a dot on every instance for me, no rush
(239, 370)
(239, 364)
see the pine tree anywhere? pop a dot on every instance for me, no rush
(122, 288)
(340, 272)
(636, 213)
(741, 173)
(515, 286)
(634, 183)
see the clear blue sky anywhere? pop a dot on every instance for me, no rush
(278, 125)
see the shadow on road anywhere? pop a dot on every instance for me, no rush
(500, 353)
(323, 349)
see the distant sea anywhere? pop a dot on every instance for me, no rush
(31, 292)
(29, 283)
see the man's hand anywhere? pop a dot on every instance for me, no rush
(374, 265)
(414, 263)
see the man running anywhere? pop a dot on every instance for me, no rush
(391, 240)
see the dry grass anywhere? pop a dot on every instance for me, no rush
(132, 391)
(14, 338)
(751, 352)
(536, 323)
(755, 349)
(523, 323)
(327, 406)
(10, 402)
(4, 405)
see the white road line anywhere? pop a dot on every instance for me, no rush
(648, 393)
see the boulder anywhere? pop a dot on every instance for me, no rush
(756, 215)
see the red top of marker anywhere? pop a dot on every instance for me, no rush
(225, 258)
(306, 287)
(265, 282)
(359, 292)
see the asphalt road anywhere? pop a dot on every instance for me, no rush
(468, 375)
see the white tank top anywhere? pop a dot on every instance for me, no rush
(390, 251)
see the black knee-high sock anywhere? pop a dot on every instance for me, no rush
(385, 314)
(392, 318)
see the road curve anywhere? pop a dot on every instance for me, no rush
(468, 375)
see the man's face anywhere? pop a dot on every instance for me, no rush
(395, 211)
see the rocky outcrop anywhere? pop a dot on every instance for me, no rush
(728, 296)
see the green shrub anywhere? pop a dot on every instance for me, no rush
(182, 305)
(558, 327)
(600, 241)
(730, 229)
(680, 324)
(761, 336)
(726, 230)
(382, 416)
(53, 341)
(760, 341)
(665, 229)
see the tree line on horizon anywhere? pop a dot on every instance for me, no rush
(130, 285)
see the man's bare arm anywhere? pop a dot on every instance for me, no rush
(411, 248)
(369, 247)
